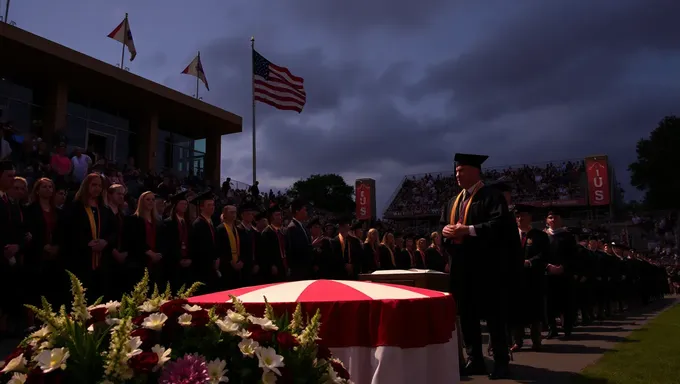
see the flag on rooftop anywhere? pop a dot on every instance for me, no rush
(195, 68)
(277, 86)
(123, 34)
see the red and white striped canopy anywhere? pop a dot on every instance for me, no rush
(316, 291)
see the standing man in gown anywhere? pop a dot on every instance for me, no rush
(474, 230)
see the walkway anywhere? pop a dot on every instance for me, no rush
(561, 361)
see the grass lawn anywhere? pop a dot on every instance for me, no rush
(651, 357)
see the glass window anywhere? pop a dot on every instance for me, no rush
(122, 148)
(15, 91)
(107, 119)
(20, 115)
(76, 131)
(199, 145)
(76, 110)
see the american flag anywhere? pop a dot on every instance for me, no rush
(276, 86)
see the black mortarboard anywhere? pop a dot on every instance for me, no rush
(357, 225)
(273, 209)
(248, 206)
(177, 197)
(314, 221)
(203, 196)
(344, 220)
(470, 159)
(524, 208)
(6, 166)
(422, 235)
(554, 211)
(260, 216)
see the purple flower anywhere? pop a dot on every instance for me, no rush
(189, 369)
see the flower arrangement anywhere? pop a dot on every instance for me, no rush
(163, 339)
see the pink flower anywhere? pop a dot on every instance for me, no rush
(189, 369)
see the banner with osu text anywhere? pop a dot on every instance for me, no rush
(365, 199)
(597, 171)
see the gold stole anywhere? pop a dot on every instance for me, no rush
(394, 262)
(342, 248)
(95, 230)
(234, 242)
(454, 209)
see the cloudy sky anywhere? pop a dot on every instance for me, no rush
(396, 87)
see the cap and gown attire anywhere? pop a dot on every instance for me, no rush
(250, 240)
(229, 247)
(407, 257)
(479, 266)
(203, 247)
(388, 255)
(175, 246)
(146, 238)
(275, 262)
(322, 253)
(299, 248)
(535, 251)
(347, 253)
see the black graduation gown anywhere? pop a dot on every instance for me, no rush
(404, 259)
(436, 259)
(47, 271)
(203, 250)
(176, 235)
(231, 278)
(560, 288)
(250, 246)
(130, 271)
(371, 258)
(274, 254)
(535, 249)
(325, 260)
(298, 251)
(386, 257)
(138, 248)
(352, 254)
(12, 231)
(78, 255)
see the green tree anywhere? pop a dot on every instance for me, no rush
(329, 192)
(656, 170)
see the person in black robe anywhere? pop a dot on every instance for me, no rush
(475, 230)
(388, 252)
(12, 239)
(622, 287)
(436, 256)
(562, 270)
(398, 243)
(356, 235)
(275, 262)
(145, 239)
(202, 243)
(371, 254)
(175, 247)
(250, 240)
(126, 269)
(229, 247)
(298, 243)
(90, 232)
(347, 251)
(421, 249)
(535, 249)
(407, 257)
(321, 250)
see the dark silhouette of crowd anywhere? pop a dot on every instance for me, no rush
(425, 194)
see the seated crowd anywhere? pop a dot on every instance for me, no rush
(425, 194)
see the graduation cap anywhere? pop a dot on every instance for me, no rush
(6, 166)
(203, 196)
(179, 196)
(524, 208)
(470, 160)
(554, 211)
(273, 208)
(314, 221)
(344, 220)
(357, 225)
(248, 206)
(260, 216)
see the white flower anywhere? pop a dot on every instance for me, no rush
(17, 378)
(45, 345)
(154, 321)
(227, 325)
(269, 360)
(111, 307)
(266, 324)
(163, 356)
(90, 328)
(44, 331)
(184, 319)
(132, 346)
(248, 347)
(51, 359)
(235, 316)
(16, 364)
(150, 306)
(243, 333)
(192, 308)
(268, 377)
(217, 369)
(112, 321)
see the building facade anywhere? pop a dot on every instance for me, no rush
(55, 93)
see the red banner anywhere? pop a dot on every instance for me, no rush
(363, 202)
(598, 180)
(556, 203)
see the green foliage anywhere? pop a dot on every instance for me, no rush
(329, 192)
(655, 169)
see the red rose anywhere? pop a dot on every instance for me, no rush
(221, 310)
(36, 376)
(97, 315)
(147, 336)
(144, 362)
(199, 318)
(259, 334)
(15, 353)
(286, 340)
(340, 370)
(138, 320)
(322, 352)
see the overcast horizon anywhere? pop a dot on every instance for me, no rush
(396, 87)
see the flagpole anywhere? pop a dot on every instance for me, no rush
(6, 12)
(252, 53)
(125, 33)
(197, 73)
